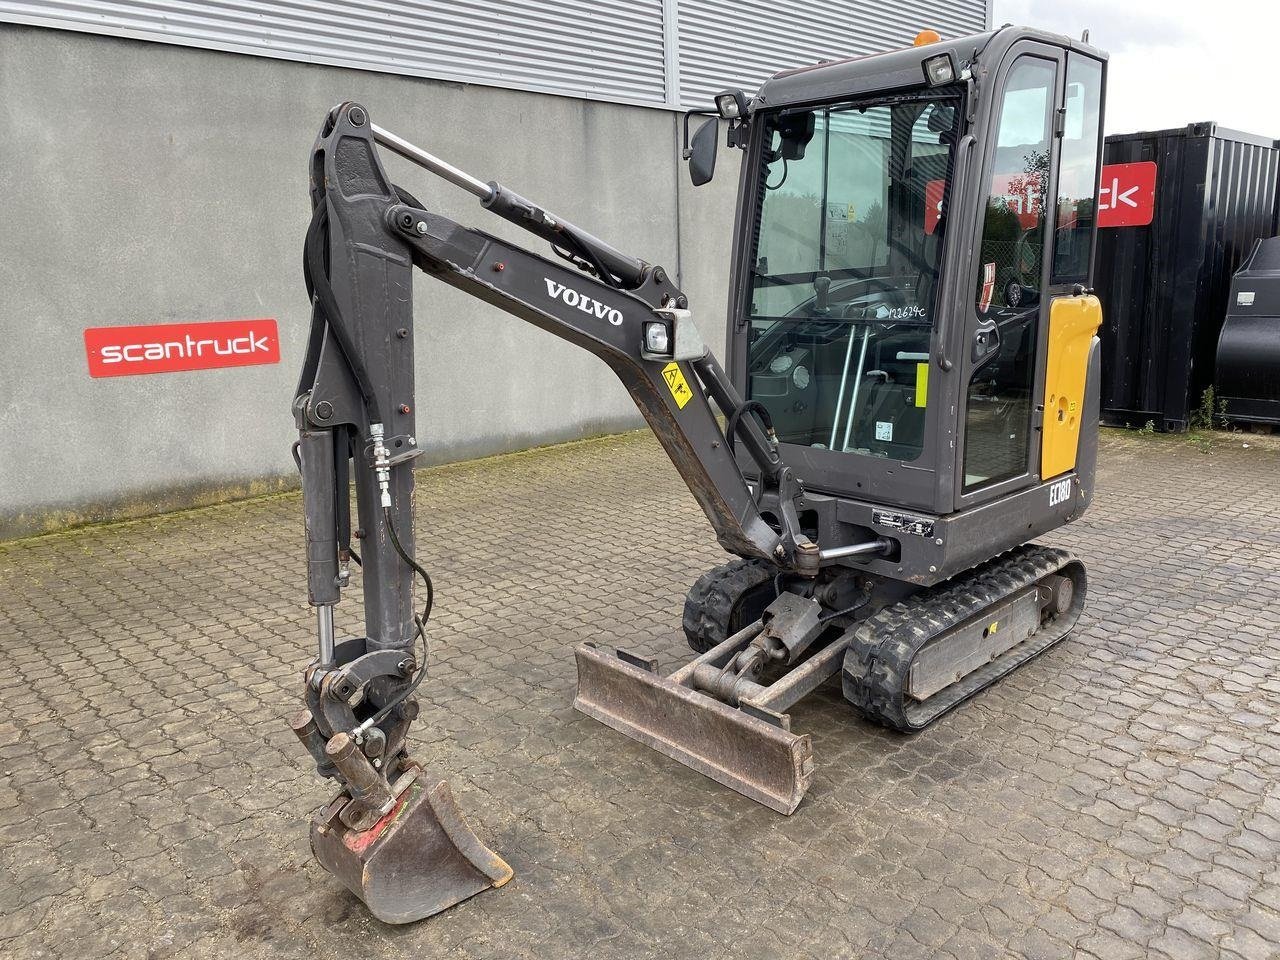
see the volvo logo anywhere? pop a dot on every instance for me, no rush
(558, 291)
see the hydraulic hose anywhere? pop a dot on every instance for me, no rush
(420, 622)
(748, 406)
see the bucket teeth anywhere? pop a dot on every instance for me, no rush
(419, 859)
(759, 759)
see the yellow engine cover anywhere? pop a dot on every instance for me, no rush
(1073, 321)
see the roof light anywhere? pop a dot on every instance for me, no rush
(926, 37)
(939, 70)
(731, 104)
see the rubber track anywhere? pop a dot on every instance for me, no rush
(878, 662)
(711, 601)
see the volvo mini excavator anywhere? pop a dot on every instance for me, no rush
(909, 398)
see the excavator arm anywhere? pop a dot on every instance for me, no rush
(624, 311)
(354, 409)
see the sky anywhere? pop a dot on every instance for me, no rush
(1175, 62)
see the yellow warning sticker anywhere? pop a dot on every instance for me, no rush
(922, 384)
(677, 384)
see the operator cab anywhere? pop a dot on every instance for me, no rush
(914, 214)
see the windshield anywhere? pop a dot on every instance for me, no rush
(851, 220)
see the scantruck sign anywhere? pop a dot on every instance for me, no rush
(174, 347)
(1127, 194)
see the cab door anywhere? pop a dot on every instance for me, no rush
(1002, 359)
(1030, 320)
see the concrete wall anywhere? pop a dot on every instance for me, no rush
(144, 183)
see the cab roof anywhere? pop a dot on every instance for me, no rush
(897, 70)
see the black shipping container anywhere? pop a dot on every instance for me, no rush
(1248, 376)
(1164, 286)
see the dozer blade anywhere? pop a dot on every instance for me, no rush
(417, 860)
(759, 759)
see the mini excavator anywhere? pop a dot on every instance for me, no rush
(909, 399)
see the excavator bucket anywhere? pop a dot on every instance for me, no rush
(760, 758)
(419, 859)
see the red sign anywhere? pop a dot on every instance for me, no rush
(1127, 196)
(172, 347)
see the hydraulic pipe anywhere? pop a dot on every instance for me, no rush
(844, 380)
(522, 212)
(525, 213)
(324, 634)
(442, 169)
(315, 455)
(879, 545)
(857, 386)
(720, 654)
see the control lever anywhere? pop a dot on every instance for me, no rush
(822, 295)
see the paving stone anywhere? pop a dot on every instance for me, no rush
(1115, 798)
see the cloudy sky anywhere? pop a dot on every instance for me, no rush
(1174, 62)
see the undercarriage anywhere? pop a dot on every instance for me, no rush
(905, 657)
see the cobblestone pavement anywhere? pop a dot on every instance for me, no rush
(1116, 798)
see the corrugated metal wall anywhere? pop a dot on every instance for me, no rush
(739, 43)
(657, 52)
(597, 49)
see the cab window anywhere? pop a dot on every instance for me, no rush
(843, 285)
(1078, 170)
(1014, 224)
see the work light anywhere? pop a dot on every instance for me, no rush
(657, 339)
(731, 104)
(939, 70)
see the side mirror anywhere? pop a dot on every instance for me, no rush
(702, 152)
